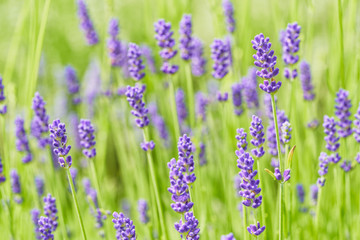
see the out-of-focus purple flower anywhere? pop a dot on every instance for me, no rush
(342, 112)
(314, 193)
(266, 61)
(249, 86)
(356, 128)
(87, 138)
(86, 24)
(39, 184)
(2, 177)
(115, 48)
(201, 104)
(146, 51)
(72, 82)
(50, 211)
(45, 228)
(300, 192)
(229, 15)
(91, 193)
(324, 161)
(230, 236)
(279, 176)
(241, 139)
(346, 165)
(331, 138)
(188, 228)
(255, 229)
(135, 98)
(147, 146)
(222, 97)
(165, 40)
(3, 107)
(181, 106)
(220, 54)
(185, 42)
(158, 122)
(275, 162)
(15, 186)
(286, 132)
(35, 217)
(202, 154)
(74, 173)
(290, 46)
(271, 139)
(22, 143)
(40, 122)
(59, 138)
(143, 209)
(135, 62)
(257, 132)
(305, 78)
(124, 227)
(357, 158)
(237, 98)
(198, 61)
(313, 124)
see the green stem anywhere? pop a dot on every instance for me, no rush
(318, 214)
(342, 63)
(244, 223)
(339, 200)
(281, 193)
(76, 204)
(174, 111)
(96, 182)
(190, 95)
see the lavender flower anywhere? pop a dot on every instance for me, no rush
(180, 105)
(198, 61)
(249, 87)
(35, 217)
(314, 190)
(166, 42)
(286, 132)
(357, 158)
(15, 186)
(257, 132)
(45, 228)
(50, 211)
(356, 128)
(185, 148)
(135, 62)
(40, 122)
(185, 42)
(330, 131)
(159, 122)
(342, 112)
(115, 48)
(202, 154)
(143, 211)
(324, 161)
(256, 229)
(305, 78)
(230, 236)
(2, 177)
(124, 227)
(22, 143)
(279, 176)
(3, 107)
(59, 138)
(135, 98)
(346, 165)
(237, 98)
(313, 124)
(266, 60)
(201, 104)
(290, 46)
(74, 173)
(300, 192)
(189, 228)
(91, 193)
(146, 51)
(222, 98)
(147, 146)
(39, 183)
(241, 138)
(86, 24)
(87, 138)
(72, 84)
(220, 54)
(229, 15)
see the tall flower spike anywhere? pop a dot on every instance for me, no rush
(290, 46)
(135, 62)
(257, 132)
(249, 86)
(124, 227)
(2, 177)
(86, 24)
(40, 122)
(59, 138)
(3, 107)
(143, 211)
(35, 217)
(266, 61)
(237, 98)
(185, 31)
(314, 190)
(220, 54)
(342, 112)
(165, 40)
(135, 98)
(50, 211)
(229, 15)
(22, 143)
(300, 192)
(198, 61)
(305, 78)
(45, 228)
(189, 228)
(15, 185)
(324, 161)
(115, 48)
(356, 129)
(332, 140)
(186, 159)
(87, 138)
(180, 105)
(39, 183)
(72, 82)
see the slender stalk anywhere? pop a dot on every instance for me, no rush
(318, 213)
(245, 223)
(95, 179)
(76, 204)
(342, 63)
(173, 110)
(339, 200)
(281, 193)
(190, 94)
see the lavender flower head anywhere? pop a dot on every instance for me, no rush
(165, 40)
(331, 138)
(180, 105)
(143, 211)
(314, 190)
(135, 62)
(185, 31)
(40, 122)
(220, 54)
(59, 138)
(229, 15)
(186, 158)
(342, 112)
(305, 78)
(324, 162)
(2, 177)
(124, 227)
(300, 192)
(147, 146)
(35, 217)
(346, 165)
(50, 211)
(72, 82)
(290, 46)
(87, 138)
(91, 193)
(257, 132)
(188, 228)
(15, 186)
(198, 61)
(201, 102)
(237, 98)
(3, 107)
(86, 23)
(39, 183)
(241, 138)
(249, 86)
(45, 228)
(135, 98)
(356, 128)
(256, 229)
(266, 61)
(22, 143)
(222, 97)
(115, 48)
(286, 132)
(230, 236)
(202, 154)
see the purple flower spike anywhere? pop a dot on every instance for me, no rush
(189, 228)
(257, 132)
(59, 138)
(324, 161)
(91, 193)
(3, 107)
(229, 15)
(165, 40)
(147, 146)
(186, 158)
(143, 211)
(2, 177)
(40, 122)
(346, 165)
(50, 211)
(286, 132)
(35, 217)
(241, 137)
(116, 51)
(220, 54)
(72, 82)
(305, 78)
(266, 60)
(342, 112)
(201, 104)
(22, 143)
(314, 193)
(15, 186)
(198, 61)
(356, 128)
(202, 155)
(180, 105)
(249, 86)
(185, 31)
(39, 183)
(237, 98)
(135, 62)
(256, 229)
(124, 227)
(135, 98)
(45, 228)
(86, 24)
(87, 138)
(222, 97)
(330, 130)
(277, 174)
(300, 192)
(230, 236)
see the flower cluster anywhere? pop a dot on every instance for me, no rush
(256, 229)
(305, 78)
(147, 146)
(286, 132)
(342, 112)
(124, 227)
(72, 82)
(115, 48)
(266, 60)
(45, 228)
(198, 61)
(237, 98)
(356, 129)
(332, 140)
(87, 138)
(86, 24)
(35, 217)
(135, 98)
(185, 31)
(249, 86)
(222, 97)
(229, 15)
(50, 211)
(280, 176)
(3, 107)
(220, 54)
(188, 228)
(135, 62)
(22, 143)
(59, 138)
(15, 186)
(201, 102)
(230, 236)
(257, 132)
(143, 211)
(241, 139)
(40, 122)
(39, 184)
(166, 42)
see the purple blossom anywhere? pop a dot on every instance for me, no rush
(313, 124)
(180, 105)
(124, 227)
(198, 61)
(39, 184)
(241, 139)
(356, 128)
(249, 86)
(116, 51)
(59, 138)
(35, 217)
(342, 112)
(331, 138)
(300, 192)
(3, 107)
(74, 173)
(15, 186)
(72, 82)
(346, 165)
(222, 97)
(286, 132)
(90, 192)
(189, 227)
(2, 177)
(147, 146)
(86, 24)
(40, 122)
(256, 229)
(202, 154)
(135, 62)
(186, 158)
(185, 42)
(230, 236)
(220, 54)
(201, 104)
(237, 98)
(45, 228)
(143, 209)
(22, 143)
(314, 190)
(257, 132)
(50, 211)
(135, 98)
(87, 138)
(229, 15)
(148, 55)
(305, 78)
(324, 162)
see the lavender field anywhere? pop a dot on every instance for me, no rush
(168, 119)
